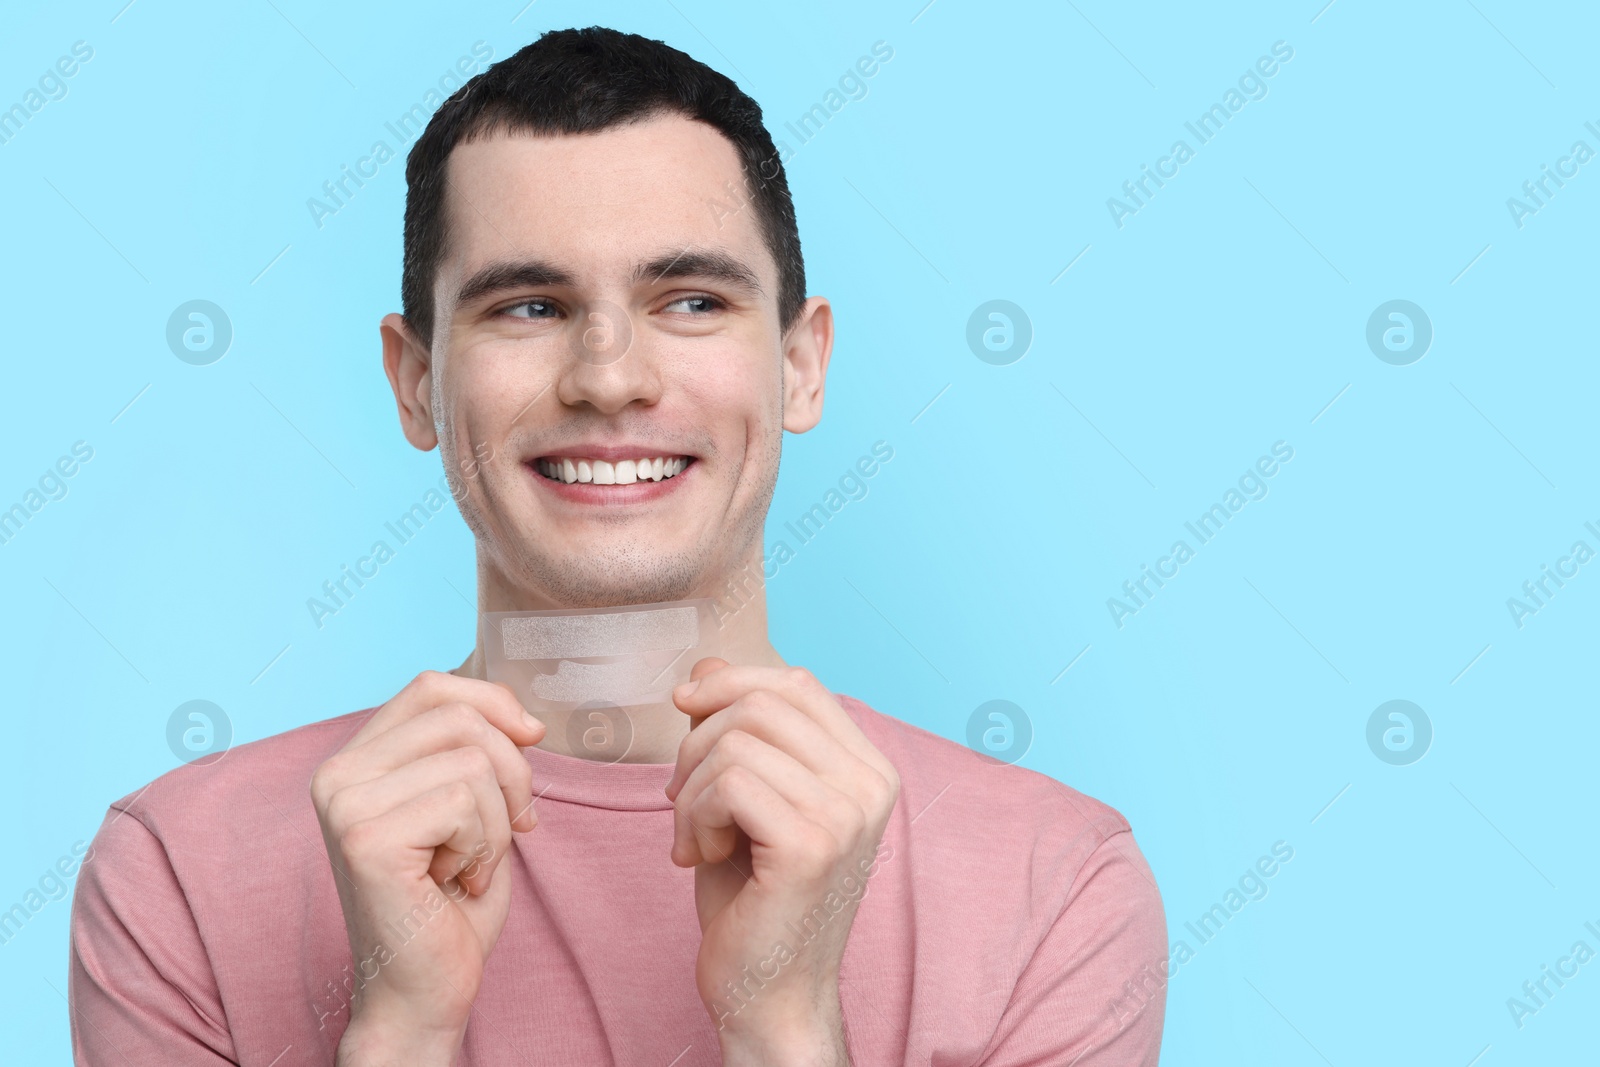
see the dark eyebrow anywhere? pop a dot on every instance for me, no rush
(520, 274)
(699, 264)
(534, 273)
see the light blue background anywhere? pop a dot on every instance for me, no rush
(1223, 317)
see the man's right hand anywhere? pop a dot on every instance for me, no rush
(417, 812)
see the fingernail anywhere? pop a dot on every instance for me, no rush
(686, 690)
(530, 721)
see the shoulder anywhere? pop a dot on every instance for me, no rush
(1028, 904)
(985, 793)
(252, 787)
(191, 846)
(208, 883)
(1028, 840)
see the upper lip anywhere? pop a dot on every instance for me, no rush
(610, 453)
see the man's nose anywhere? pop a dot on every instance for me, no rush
(608, 364)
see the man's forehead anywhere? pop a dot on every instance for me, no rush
(603, 201)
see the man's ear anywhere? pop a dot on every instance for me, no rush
(807, 347)
(407, 362)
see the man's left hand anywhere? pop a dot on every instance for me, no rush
(781, 803)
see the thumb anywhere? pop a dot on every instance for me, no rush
(706, 666)
(703, 667)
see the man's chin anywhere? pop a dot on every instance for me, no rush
(595, 587)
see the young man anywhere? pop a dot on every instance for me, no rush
(606, 333)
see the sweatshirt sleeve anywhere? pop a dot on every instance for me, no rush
(1094, 992)
(141, 985)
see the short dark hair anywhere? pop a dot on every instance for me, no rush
(580, 81)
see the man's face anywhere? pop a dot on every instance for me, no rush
(607, 374)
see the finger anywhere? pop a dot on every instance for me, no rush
(797, 685)
(721, 843)
(384, 849)
(440, 729)
(774, 720)
(705, 666)
(702, 668)
(738, 797)
(693, 844)
(470, 765)
(431, 689)
(813, 798)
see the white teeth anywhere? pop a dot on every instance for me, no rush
(601, 472)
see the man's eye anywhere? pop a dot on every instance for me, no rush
(694, 305)
(531, 309)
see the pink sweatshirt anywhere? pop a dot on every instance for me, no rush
(1010, 921)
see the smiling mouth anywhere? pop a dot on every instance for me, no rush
(574, 470)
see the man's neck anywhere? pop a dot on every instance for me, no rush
(741, 610)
